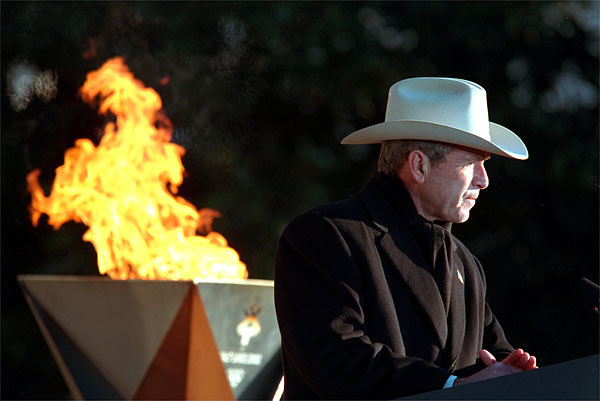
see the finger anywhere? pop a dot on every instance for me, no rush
(531, 364)
(522, 363)
(486, 357)
(514, 357)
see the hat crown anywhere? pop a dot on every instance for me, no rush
(448, 110)
(451, 102)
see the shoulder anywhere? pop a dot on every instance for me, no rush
(342, 213)
(348, 222)
(339, 214)
(349, 208)
(320, 241)
(356, 209)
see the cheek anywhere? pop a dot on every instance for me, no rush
(460, 187)
(457, 196)
(465, 183)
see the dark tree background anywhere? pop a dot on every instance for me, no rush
(261, 93)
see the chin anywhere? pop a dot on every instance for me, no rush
(461, 218)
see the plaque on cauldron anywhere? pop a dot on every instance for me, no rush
(242, 317)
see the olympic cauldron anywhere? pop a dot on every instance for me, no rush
(159, 339)
(158, 328)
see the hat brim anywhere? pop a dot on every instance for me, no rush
(502, 141)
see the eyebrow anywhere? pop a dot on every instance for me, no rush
(477, 158)
(481, 158)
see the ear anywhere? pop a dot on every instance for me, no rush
(418, 166)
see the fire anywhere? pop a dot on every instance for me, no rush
(124, 190)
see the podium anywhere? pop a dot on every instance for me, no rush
(573, 380)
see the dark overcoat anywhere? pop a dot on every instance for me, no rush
(359, 311)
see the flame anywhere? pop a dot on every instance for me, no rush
(123, 190)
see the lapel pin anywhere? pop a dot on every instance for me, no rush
(460, 278)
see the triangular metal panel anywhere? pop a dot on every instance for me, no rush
(82, 377)
(118, 325)
(206, 377)
(187, 365)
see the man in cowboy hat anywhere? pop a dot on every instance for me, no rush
(375, 297)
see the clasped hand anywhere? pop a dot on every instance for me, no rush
(517, 361)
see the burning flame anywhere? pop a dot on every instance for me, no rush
(123, 190)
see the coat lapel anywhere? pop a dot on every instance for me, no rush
(419, 283)
(457, 312)
(402, 251)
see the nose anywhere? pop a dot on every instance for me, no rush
(480, 177)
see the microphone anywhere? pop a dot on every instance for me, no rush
(588, 292)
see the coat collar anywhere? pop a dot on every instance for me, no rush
(403, 252)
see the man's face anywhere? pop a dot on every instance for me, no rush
(452, 186)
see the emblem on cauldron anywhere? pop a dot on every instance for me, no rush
(249, 327)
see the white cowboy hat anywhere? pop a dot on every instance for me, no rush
(441, 109)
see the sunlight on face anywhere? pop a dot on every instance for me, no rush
(451, 188)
